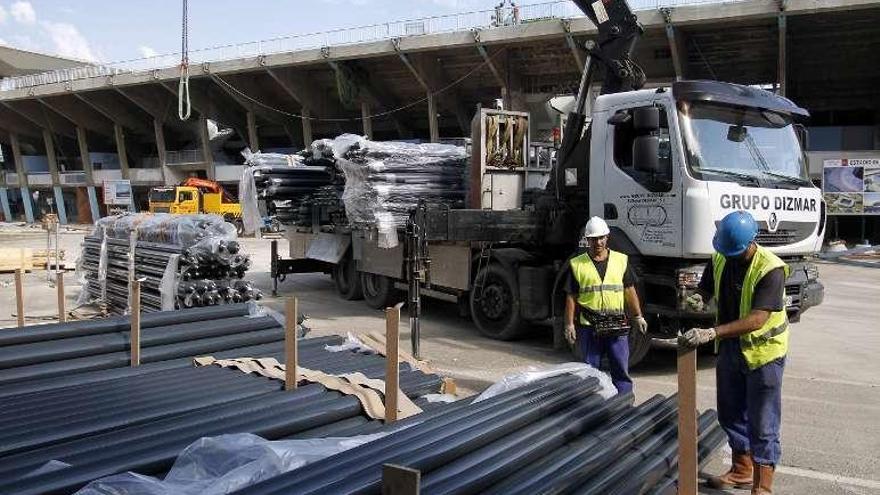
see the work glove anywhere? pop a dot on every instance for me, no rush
(570, 335)
(696, 337)
(640, 324)
(695, 303)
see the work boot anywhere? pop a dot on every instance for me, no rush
(763, 479)
(739, 475)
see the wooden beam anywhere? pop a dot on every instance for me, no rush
(400, 480)
(687, 421)
(19, 298)
(291, 357)
(392, 377)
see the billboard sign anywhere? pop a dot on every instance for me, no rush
(851, 186)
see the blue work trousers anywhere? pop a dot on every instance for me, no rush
(749, 403)
(615, 348)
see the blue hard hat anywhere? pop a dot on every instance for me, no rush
(734, 234)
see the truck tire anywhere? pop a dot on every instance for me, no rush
(495, 304)
(348, 283)
(379, 291)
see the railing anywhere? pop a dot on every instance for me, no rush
(483, 19)
(183, 157)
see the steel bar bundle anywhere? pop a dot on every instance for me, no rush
(208, 259)
(552, 436)
(140, 421)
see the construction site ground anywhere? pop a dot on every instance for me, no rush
(831, 397)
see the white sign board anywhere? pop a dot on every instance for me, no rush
(117, 192)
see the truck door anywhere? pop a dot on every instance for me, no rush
(187, 202)
(640, 196)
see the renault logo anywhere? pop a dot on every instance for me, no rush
(772, 222)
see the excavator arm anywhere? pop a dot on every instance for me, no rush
(209, 186)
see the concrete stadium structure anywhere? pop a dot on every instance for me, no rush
(67, 131)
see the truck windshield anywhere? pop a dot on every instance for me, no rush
(749, 146)
(162, 195)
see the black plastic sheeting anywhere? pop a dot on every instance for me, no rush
(139, 419)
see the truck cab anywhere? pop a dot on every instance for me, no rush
(177, 200)
(667, 164)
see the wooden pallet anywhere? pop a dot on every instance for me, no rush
(28, 259)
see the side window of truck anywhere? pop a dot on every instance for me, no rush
(185, 196)
(625, 134)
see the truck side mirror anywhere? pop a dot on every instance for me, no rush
(803, 136)
(646, 119)
(646, 154)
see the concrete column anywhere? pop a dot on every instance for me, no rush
(49, 141)
(205, 141)
(4, 203)
(120, 150)
(367, 119)
(26, 199)
(83, 142)
(160, 143)
(780, 66)
(253, 137)
(307, 126)
(433, 123)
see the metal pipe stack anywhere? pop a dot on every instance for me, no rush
(57, 438)
(552, 436)
(208, 259)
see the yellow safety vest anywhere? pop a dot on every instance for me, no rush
(603, 296)
(770, 342)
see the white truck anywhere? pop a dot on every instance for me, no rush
(662, 166)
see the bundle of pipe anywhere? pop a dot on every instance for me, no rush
(281, 182)
(140, 422)
(210, 264)
(47, 351)
(552, 436)
(384, 181)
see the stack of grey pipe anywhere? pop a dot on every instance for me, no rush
(60, 432)
(384, 181)
(182, 261)
(552, 436)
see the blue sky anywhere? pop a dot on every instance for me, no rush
(114, 30)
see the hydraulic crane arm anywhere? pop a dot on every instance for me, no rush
(619, 30)
(207, 185)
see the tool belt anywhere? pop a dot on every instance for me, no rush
(606, 325)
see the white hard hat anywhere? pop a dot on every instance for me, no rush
(596, 227)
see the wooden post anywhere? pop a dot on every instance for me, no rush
(19, 298)
(687, 421)
(135, 323)
(392, 383)
(291, 357)
(400, 480)
(59, 286)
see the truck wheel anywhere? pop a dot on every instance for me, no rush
(348, 283)
(495, 304)
(379, 291)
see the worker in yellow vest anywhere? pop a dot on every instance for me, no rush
(602, 281)
(751, 338)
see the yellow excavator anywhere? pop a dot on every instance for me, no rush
(195, 195)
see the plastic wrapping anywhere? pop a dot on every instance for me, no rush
(226, 463)
(351, 343)
(193, 232)
(260, 159)
(252, 218)
(169, 283)
(535, 373)
(440, 398)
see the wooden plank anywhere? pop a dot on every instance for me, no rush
(400, 480)
(291, 356)
(135, 323)
(687, 421)
(19, 298)
(392, 342)
(59, 286)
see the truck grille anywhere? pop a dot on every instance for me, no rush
(787, 232)
(161, 209)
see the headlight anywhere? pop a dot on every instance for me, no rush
(690, 277)
(812, 272)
